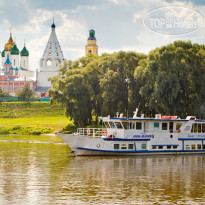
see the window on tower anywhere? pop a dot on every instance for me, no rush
(57, 62)
(49, 62)
(89, 51)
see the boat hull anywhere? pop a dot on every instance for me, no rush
(83, 145)
(86, 152)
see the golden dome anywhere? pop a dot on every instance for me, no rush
(9, 45)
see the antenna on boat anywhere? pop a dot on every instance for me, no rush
(135, 113)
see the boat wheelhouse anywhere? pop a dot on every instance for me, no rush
(140, 135)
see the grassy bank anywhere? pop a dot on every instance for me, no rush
(32, 118)
(32, 138)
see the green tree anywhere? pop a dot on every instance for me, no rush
(26, 92)
(3, 94)
(173, 79)
(169, 80)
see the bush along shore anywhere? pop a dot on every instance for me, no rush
(25, 130)
(32, 118)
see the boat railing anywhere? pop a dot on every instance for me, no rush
(92, 132)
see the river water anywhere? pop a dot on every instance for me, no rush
(43, 173)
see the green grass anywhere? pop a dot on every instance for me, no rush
(44, 138)
(33, 118)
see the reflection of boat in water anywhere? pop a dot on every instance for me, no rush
(140, 136)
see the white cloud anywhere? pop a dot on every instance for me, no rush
(118, 24)
(71, 35)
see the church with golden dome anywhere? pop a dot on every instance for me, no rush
(15, 73)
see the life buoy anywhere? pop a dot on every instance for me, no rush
(104, 132)
(88, 131)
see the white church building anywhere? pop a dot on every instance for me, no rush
(49, 63)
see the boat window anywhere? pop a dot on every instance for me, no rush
(144, 146)
(138, 125)
(160, 147)
(154, 147)
(130, 146)
(195, 127)
(156, 125)
(130, 125)
(106, 124)
(187, 147)
(164, 126)
(118, 125)
(133, 126)
(199, 146)
(199, 127)
(169, 147)
(187, 128)
(203, 128)
(112, 125)
(116, 146)
(192, 128)
(174, 147)
(123, 146)
(125, 125)
(193, 146)
(203, 146)
(178, 125)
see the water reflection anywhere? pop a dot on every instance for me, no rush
(43, 173)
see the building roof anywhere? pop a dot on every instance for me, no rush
(23, 69)
(52, 51)
(3, 53)
(9, 45)
(42, 89)
(14, 50)
(53, 25)
(91, 35)
(7, 60)
(24, 51)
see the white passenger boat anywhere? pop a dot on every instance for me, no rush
(139, 136)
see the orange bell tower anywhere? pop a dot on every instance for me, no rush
(91, 46)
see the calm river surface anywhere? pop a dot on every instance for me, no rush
(42, 172)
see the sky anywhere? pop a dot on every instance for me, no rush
(118, 24)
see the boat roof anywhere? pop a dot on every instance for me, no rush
(138, 119)
(146, 119)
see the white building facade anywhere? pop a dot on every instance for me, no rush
(49, 63)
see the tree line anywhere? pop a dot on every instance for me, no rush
(25, 93)
(169, 80)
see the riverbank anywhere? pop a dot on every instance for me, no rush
(32, 118)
